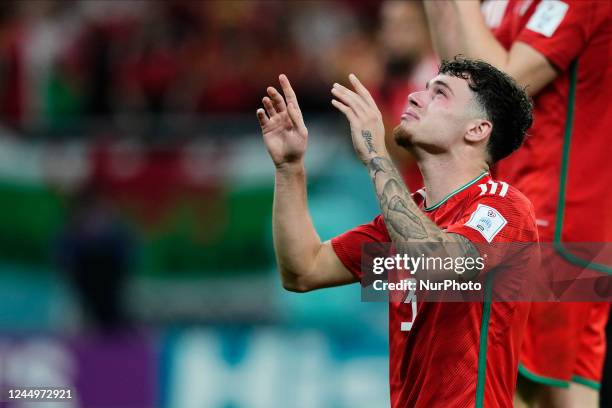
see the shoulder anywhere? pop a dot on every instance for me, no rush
(562, 21)
(501, 197)
(501, 192)
(494, 211)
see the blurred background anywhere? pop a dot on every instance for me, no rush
(136, 260)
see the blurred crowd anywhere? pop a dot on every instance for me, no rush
(82, 69)
(63, 61)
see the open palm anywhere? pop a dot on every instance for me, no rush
(282, 125)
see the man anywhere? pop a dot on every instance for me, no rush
(441, 354)
(560, 51)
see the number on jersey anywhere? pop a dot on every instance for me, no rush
(410, 298)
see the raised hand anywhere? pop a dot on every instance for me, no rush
(282, 125)
(367, 129)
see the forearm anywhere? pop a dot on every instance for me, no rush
(296, 242)
(458, 27)
(403, 218)
(411, 231)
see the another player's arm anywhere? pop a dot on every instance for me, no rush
(407, 225)
(458, 27)
(304, 262)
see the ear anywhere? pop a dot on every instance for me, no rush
(478, 130)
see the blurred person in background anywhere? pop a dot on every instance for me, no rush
(96, 251)
(409, 62)
(560, 51)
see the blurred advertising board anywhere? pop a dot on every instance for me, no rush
(211, 367)
(272, 367)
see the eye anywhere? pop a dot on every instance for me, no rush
(440, 92)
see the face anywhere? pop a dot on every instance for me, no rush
(438, 117)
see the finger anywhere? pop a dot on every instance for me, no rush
(348, 112)
(288, 91)
(362, 90)
(277, 99)
(356, 98)
(296, 118)
(261, 116)
(349, 98)
(267, 102)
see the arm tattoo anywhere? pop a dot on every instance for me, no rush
(399, 217)
(375, 165)
(405, 221)
(367, 137)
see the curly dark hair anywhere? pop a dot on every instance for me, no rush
(505, 103)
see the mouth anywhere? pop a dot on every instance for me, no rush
(409, 114)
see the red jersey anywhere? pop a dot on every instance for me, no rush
(455, 354)
(564, 166)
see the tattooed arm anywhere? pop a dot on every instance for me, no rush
(410, 229)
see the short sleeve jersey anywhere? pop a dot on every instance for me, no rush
(455, 354)
(564, 166)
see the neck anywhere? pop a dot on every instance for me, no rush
(443, 174)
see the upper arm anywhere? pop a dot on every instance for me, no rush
(326, 271)
(338, 261)
(529, 67)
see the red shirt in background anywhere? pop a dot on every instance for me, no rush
(566, 159)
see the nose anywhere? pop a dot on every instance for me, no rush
(415, 99)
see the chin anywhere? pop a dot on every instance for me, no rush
(402, 136)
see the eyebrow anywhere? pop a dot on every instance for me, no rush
(441, 83)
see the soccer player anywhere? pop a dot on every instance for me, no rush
(560, 50)
(441, 354)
